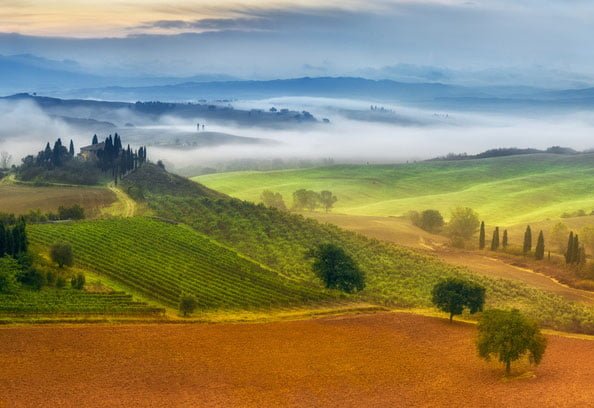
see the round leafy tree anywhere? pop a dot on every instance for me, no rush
(453, 295)
(509, 336)
(61, 253)
(337, 269)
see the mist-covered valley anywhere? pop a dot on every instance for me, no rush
(252, 133)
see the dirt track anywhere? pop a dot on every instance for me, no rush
(359, 361)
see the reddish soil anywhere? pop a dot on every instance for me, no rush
(381, 360)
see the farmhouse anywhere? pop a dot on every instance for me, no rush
(90, 152)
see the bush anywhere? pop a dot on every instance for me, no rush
(60, 282)
(33, 278)
(187, 305)
(78, 281)
(61, 253)
(76, 212)
(337, 269)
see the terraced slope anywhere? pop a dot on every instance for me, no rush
(505, 191)
(163, 260)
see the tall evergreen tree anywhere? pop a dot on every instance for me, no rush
(2, 239)
(540, 247)
(495, 240)
(505, 240)
(527, 240)
(482, 236)
(576, 250)
(569, 252)
(71, 148)
(95, 140)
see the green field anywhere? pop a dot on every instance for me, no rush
(162, 260)
(505, 191)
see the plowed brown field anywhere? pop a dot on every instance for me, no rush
(381, 360)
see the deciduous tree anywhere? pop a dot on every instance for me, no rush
(453, 295)
(508, 335)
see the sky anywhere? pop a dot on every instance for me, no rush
(287, 38)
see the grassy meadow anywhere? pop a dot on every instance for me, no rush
(504, 191)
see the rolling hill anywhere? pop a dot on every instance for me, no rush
(505, 191)
(396, 277)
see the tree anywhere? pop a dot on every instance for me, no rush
(9, 269)
(495, 240)
(431, 220)
(78, 281)
(95, 140)
(527, 240)
(464, 223)
(273, 200)
(337, 269)
(305, 199)
(5, 160)
(504, 240)
(587, 235)
(71, 148)
(187, 304)
(540, 247)
(509, 336)
(558, 237)
(482, 236)
(327, 199)
(570, 251)
(61, 253)
(453, 295)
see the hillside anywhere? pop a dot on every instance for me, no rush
(395, 276)
(505, 191)
(162, 260)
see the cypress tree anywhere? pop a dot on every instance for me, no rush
(576, 249)
(504, 241)
(95, 140)
(71, 149)
(495, 240)
(482, 236)
(569, 253)
(540, 247)
(2, 240)
(527, 240)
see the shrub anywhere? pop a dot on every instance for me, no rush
(78, 281)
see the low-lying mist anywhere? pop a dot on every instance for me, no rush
(356, 133)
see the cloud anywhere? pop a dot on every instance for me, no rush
(208, 24)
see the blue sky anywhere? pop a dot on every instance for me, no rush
(276, 39)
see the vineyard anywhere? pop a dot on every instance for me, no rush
(163, 260)
(396, 277)
(61, 302)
